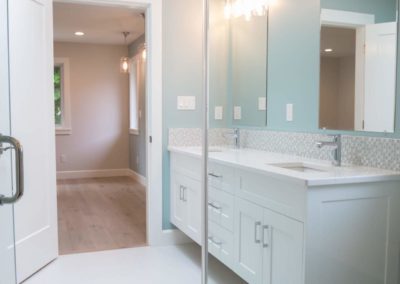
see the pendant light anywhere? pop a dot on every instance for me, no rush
(246, 8)
(124, 62)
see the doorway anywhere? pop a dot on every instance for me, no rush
(100, 121)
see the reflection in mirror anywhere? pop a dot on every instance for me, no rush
(358, 65)
(237, 65)
(248, 70)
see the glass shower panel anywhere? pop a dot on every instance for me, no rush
(237, 94)
(7, 251)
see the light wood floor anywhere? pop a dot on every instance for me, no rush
(100, 214)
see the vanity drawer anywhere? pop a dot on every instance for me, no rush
(186, 165)
(220, 243)
(220, 208)
(222, 177)
(282, 196)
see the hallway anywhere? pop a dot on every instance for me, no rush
(98, 214)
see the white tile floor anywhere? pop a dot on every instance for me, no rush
(171, 264)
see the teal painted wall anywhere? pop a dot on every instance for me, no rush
(384, 10)
(182, 75)
(293, 70)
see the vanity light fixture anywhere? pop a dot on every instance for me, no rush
(79, 33)
(124, 62)
(328, 50)
(246, 8)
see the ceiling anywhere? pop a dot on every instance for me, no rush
(101, 24)
(341, 40)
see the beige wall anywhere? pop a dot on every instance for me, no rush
(337, 93)
(99, 108)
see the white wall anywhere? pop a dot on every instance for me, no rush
(99, 108)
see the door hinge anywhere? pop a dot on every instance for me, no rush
(363, 124)
(150, 139)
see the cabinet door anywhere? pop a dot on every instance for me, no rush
(282, 242)
(248, 247)
(192, 198)
(178, 206)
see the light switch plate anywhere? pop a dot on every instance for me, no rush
(289, 112)
(186, 103)
(218, 113)
(237, 112)
(262, 103)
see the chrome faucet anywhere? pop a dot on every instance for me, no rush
(337, 151)
(236, 138)
(235, 134)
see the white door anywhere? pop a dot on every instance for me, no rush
(249, 253)
(283, 249)
(32, 123)
(380, 77)
(7, 252)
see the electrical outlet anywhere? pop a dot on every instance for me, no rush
(186, 102)
(237, 112)
(262, 103)
(218, 113)
(63, 158)
(289, 112)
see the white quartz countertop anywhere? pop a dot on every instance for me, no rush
(270, 164)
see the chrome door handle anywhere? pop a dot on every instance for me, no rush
(181, 192)
(256, 233)
(19, 168)
(266, 232)
(182, 195)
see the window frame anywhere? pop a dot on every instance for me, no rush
(65, 127)
(134, 104)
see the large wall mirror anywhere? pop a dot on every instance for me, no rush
(238, 68)
(358, 65)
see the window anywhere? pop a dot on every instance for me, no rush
(134, 89)
(62, 117)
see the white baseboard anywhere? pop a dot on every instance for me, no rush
(97, 173)
(137, 177)
(172, 237)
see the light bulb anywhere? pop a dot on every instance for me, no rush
(124, 65)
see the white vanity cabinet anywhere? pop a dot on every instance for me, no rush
(257, 243)
(275, 227)
(186, 197)
(269, 245)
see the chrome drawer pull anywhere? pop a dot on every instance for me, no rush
(214, 206)
(218, 243)
(214, 175)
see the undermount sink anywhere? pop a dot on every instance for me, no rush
(215, 150)
(300, 167)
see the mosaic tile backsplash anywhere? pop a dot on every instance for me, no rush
(373, 152)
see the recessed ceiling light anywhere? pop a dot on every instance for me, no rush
(328, 50)
(79, 33)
